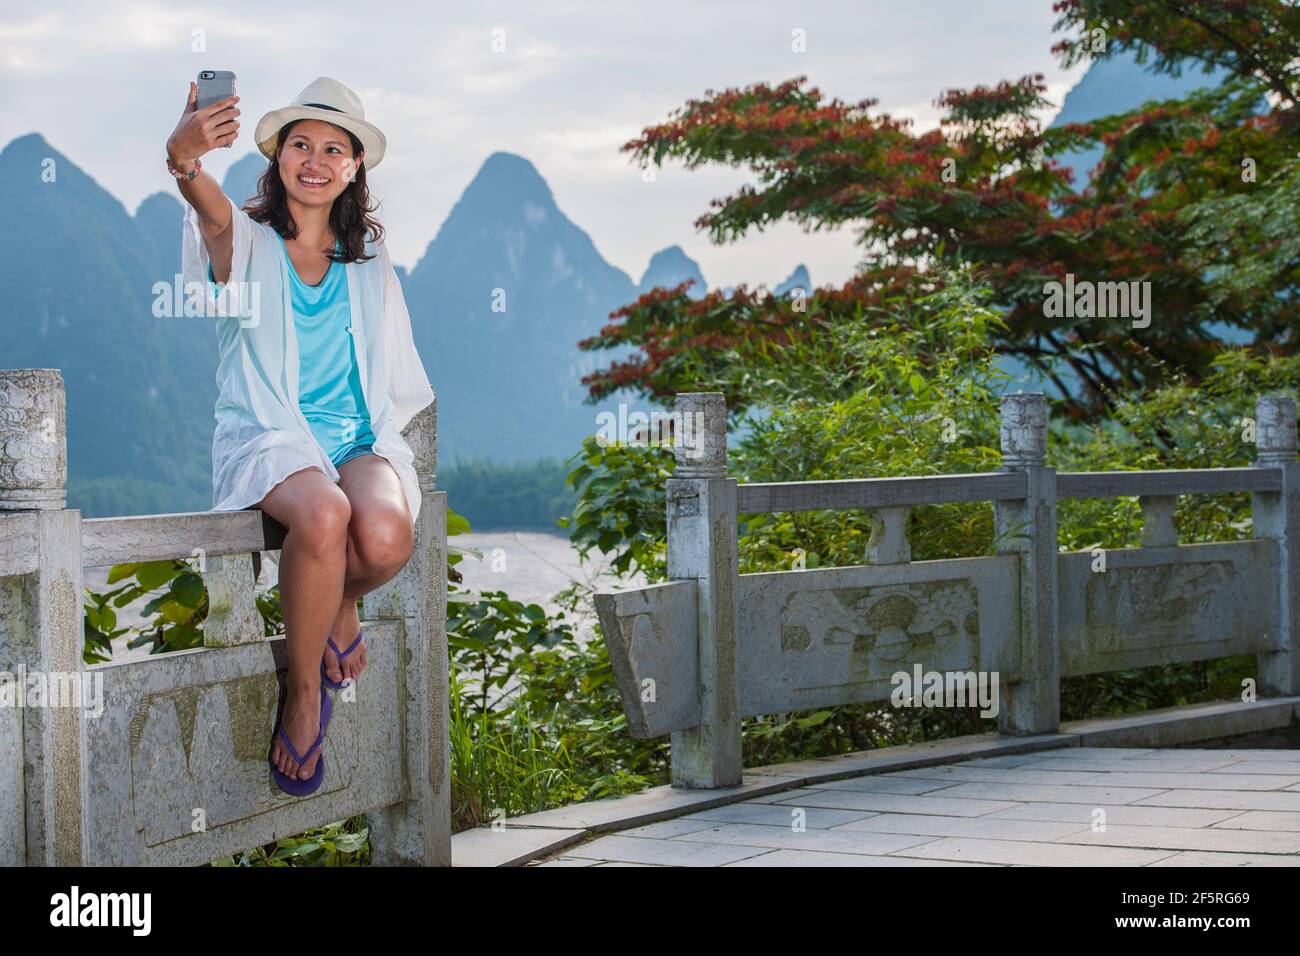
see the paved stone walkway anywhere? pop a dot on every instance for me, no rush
(1078, 806)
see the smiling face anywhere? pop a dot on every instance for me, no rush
(317, 162)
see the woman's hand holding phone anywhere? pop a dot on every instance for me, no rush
(201, 130)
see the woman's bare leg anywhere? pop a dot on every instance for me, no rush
(379, 541)
(312, 561)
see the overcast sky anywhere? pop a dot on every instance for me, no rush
(104, 82)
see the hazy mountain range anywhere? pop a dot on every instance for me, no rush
(141, 389)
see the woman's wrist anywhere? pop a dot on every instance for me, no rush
(186, 171)
(181, 162)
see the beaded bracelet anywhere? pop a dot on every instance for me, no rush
(171, 168)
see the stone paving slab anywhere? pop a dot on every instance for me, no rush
(1198, 858)
(1125, 765)
(1035, 854)
(783, 795)
(1081, 813)
(1098, 753)
(1266, 757)
(1187, 838)
(892, 783)
(899, 803)
(654, 804)
(1260, 766)
(1045, 793)
(775, 814)
(626, 863)
(1225, 800)
(667, 829)
(569, 861)
(984, 828)
(1262, 820)
(1014, 760)
(786, 838)
(815, 858)
(575, 861)
(1157, 779)
(1273, 755)
(626, 849)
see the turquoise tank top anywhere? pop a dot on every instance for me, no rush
(329, 381)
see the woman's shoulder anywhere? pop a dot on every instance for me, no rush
(377, 249)
(377, 261)
(240, 215)
(254, 224)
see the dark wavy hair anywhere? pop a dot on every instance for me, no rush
(350, 216)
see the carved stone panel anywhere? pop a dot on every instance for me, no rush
(838, 635)
(651, 636)
(177, 761)
(1165, 605)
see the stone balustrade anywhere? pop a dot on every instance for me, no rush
(170, 766)
(696, 655)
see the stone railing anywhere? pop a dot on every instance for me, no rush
(172, 768)
(695, 655)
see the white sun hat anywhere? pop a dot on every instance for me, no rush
(328, 100)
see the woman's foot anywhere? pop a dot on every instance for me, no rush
(346, 627)
(301, 723)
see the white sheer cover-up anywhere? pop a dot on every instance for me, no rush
(261, 436)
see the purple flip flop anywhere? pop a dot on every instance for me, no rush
(325, 678)
(295, 786)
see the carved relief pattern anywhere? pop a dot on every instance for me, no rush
(1275, 433)
(701, 446)
(880, 630)
(1024, 429)
(421, 434)
(1132, 607)
(33, 460)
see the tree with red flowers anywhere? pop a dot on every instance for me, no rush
(1196, 196)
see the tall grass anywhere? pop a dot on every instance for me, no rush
(504, 765)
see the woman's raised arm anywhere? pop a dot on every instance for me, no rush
(197, 132)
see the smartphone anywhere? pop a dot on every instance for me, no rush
(215, 85)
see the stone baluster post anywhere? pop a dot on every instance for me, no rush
(1277, 516)
(417, 831)
(702, 547)
(1158, 530)
(40, 630)
(1027, 527)
(233, 617)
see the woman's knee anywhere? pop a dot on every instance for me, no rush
(382, 538)
(323, 526)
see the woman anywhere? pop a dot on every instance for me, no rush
(318, 375)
